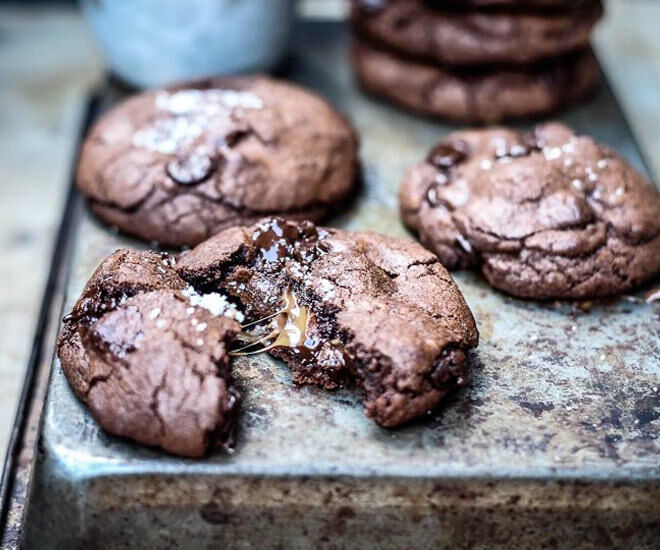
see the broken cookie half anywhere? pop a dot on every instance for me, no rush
(149, 356)
(343, 307)
(148, 345)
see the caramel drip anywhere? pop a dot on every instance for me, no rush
(288, 329)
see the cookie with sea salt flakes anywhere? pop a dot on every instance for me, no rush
(543, 214)
(148, 355)
(339, 306)
(180, 164)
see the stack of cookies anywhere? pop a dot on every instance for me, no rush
(476, 61)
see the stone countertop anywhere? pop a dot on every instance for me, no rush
(48, 62)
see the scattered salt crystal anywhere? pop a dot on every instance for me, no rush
(517, 150)
(602, 163)
(154, 313)
(190, 311)
(193, 321)
(215, 303)
(568, 147)
(201, 327)
(551, 153)
(619, 191)
(160, 323)
(327, 289)
(465, 244)
(486, 164)
(199, 342)
(568, 161)
(577, 183)
(592, 176)
(441, 178)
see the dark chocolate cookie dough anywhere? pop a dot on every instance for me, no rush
(544, 214)
(474, 37)
(149, 356)
(178, 165)
(354, 306)
(483, 96)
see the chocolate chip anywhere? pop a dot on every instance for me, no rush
(191, 169)
(233, 137)
(449, 367)
(448, 154)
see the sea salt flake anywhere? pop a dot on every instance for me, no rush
(517, 150)
(441, 178)
(602, 163)
(161, 323)
(486, 164)
(201, 327)
(619, 191)
(199, 342)
(154, 313)
(577, 183)
(551, 153)
(465, 244)
(327, 289)
(215, 303)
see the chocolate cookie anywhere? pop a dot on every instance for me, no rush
(149, 356)
(344, 306)
(527, 5)
(483, 96)
(544, 214)
(178, 165)
(474, 37)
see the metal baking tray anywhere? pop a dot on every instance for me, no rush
(555, 444)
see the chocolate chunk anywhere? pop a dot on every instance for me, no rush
(191, 169)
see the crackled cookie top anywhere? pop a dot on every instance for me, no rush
(148, 355)
(361, 307)
(177, 165)
(474, 37)
(485, 95)
(544, 214)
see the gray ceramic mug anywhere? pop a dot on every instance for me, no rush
(152, 42)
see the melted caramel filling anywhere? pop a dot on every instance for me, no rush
(287, 329)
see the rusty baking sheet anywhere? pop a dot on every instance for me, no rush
(554, 445)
